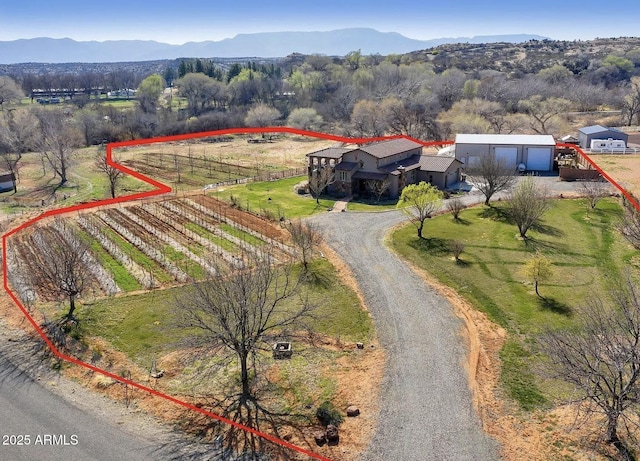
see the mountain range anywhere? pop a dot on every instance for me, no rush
(265, 44)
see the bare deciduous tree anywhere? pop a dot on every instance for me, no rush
(543, 111)
(306, 238)
(61, 265)
(304, 118)
(16, 137)
(262, 116)
(492, 175)
(456, 247)
(112, 173)
(243, 309)
(319, 179)
(629, 227)
(527, 203)
(9, 91)
(594, 191)
(58, 141)
(377, 187)
(455, 207)
(602, 359)
(369, 119)
(631, 102)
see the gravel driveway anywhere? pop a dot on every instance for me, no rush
(426, 410)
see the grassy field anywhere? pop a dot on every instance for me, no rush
(586, 252)
(37, 185)
(624, 169)
(143, 326)
(275, 197)
(278, 198)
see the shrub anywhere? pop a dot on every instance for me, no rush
(455, 207)
(235, 202)
(327, 414)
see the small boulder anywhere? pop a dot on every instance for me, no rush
(320, 438)
(333, 437)
(353, 411)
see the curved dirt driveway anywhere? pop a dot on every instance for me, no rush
(426, 410)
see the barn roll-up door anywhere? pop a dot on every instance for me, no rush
(539, 159)
(509, 155)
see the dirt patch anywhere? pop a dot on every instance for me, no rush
(624, 169)
(358, 382)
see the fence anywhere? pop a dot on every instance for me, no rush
(266, 176)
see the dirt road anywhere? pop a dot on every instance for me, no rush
(426, 410)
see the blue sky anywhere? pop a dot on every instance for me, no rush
(180, 21)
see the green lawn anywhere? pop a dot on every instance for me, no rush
(85, 183)
(586, 252)
(285, 202)
(371, 205)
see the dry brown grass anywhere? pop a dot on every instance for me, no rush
(624, 169)
(285, 151)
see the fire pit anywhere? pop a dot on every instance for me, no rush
(282, 350)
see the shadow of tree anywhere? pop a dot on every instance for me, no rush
(434, 245)
(499, 214)
(318, 278)
(553, 305)
(462, 263)
(462, 221)
(548, 230)
(234, 443)
(542, 245)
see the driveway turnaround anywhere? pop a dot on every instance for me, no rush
(426, 410)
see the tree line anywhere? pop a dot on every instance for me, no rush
(354, 95)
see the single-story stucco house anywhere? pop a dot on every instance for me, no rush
(528, 152)
(395, 163)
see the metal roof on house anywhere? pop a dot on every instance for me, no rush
(392, 147)
(346, 166)
(436, 163)
(506, 139)
(594, 129)
(330, 152)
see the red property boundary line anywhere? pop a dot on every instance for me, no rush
(159, 190)
(612, 181)
(163, 189)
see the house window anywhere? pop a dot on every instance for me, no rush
(343, 176)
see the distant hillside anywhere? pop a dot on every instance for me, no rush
(527, 57)
(269, 44)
